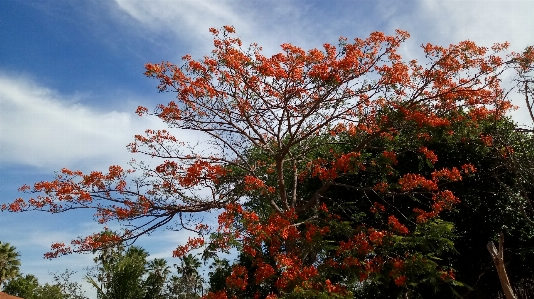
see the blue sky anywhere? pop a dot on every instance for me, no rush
(71, 76)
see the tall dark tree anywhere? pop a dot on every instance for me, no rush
(460, 237)
(158, 273)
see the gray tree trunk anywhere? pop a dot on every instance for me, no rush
(498, 259)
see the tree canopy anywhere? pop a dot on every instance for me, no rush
(336, 171)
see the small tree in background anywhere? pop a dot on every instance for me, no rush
(9, 262)
(28, 287)
(188, 284)
(120, 273)
(22, 286)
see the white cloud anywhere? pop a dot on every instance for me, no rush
(268, 23)
(484, 22)
(188, 18)
(42, 128)
(271, 23)
(449, 22)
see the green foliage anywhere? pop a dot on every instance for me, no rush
(154, 285)
(220, 269)
(9, 262)
(126, 273)
(458, 240)
(22, 286)
(300, 293)
(447, 256)
(28, 287)
(119, 273)
(48, 291)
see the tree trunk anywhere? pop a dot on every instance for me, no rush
(498, 259)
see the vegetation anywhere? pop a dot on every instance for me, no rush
(127, 273)
(28, 287)
(9, 262)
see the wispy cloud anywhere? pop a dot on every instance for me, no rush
(188, 19)
(43, 128)
(484, 22)
(269, 23)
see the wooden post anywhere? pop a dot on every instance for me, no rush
(498, 259)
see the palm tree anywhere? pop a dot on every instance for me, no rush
(159, 268)
(120, 273)
(9, 262)
(157, 276)
(190, 278)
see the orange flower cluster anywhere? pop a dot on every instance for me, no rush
(377, 208)
(381, 187)
(192, 243)
(264, 272)
(238, 279)
(288, 269)
(487, 140)
(327, 170)
(253, 183)
(201, 171)
(361, 243)
(20, 204)
(448, 275)
(452, 174)
(442, 200)
(391, 156)
(293, 271)
(430, 155)
(57, 250)
(94, 242)
(396, 272)
(411, 181)
(397, 226)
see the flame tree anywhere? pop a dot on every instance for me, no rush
(275, 124)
